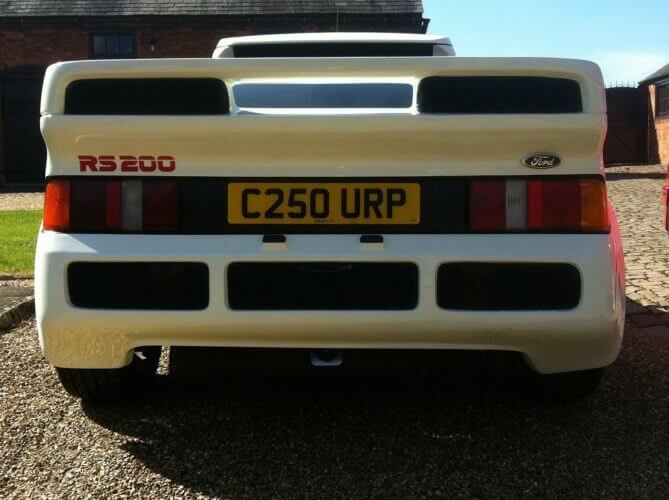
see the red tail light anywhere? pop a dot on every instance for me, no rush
(548, 206)
(93, 205)
(560, 205)
(487, 208)
(479, 205)
(57, 206)
(160, 208)
(113, 204)
(535, 205)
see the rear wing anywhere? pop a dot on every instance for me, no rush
(463, 115)
(231, 71)
(335, 44)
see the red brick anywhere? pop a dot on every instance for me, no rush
(42, 42)
(661, 126)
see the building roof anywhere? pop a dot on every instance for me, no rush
(88, 8)
(660, 73)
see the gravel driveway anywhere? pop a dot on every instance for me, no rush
(21, 201)
(468, 434)
(358, 437)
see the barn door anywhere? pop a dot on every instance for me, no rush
(24, 150)
(627, 136)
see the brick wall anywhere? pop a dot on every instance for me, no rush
(46, 41)
(661, 129)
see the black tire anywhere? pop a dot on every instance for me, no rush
(111, 384)
(567, 386)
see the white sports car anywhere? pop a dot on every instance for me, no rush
(327, 194)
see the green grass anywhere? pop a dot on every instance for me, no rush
(18, 234)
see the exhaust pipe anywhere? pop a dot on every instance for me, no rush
(326, 357)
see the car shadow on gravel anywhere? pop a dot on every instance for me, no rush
(466, 435)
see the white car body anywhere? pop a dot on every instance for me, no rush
(441, 46)
(332, 143)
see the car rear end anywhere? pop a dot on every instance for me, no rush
(458, 204)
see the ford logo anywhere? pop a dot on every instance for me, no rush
(541, 160)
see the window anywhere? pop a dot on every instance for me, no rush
(118, 45)
(318, 95)
(662, 99)
(334, 49)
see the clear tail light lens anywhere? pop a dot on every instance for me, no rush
(132, 205)
(516, 205)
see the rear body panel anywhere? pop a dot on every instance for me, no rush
(292, 145)
(585, 337)
(330, 142)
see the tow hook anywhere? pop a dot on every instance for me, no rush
(326, 357)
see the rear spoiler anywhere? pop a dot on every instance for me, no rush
(185, 109)
(439, 72)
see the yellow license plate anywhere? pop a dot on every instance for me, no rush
(323, 203)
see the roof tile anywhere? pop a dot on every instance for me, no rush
(659, 74)
(83, 8)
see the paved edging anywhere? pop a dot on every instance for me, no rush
(16, 277)
(14, 315)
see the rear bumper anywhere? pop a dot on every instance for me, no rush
(587, 336)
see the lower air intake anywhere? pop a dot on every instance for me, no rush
(511, 287)
(139, 285)
(322, 286)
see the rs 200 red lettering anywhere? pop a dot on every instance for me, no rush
(127, 163)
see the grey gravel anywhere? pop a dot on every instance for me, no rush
(21, 201)
(360, 437)
(635, 192)
(464, 436)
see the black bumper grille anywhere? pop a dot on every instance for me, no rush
(502, 286)
(322, 286)
(139, 285)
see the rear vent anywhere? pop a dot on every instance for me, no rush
(147, 96)
(508, 286)
(498, 95)
(139, 285)
(333, 50)
(333, 286)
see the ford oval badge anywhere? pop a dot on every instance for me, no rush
(542, 160)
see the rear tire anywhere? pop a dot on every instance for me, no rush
(95, 384)
(567, 386)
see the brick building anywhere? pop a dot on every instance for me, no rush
(36, 33)
(658, 91)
